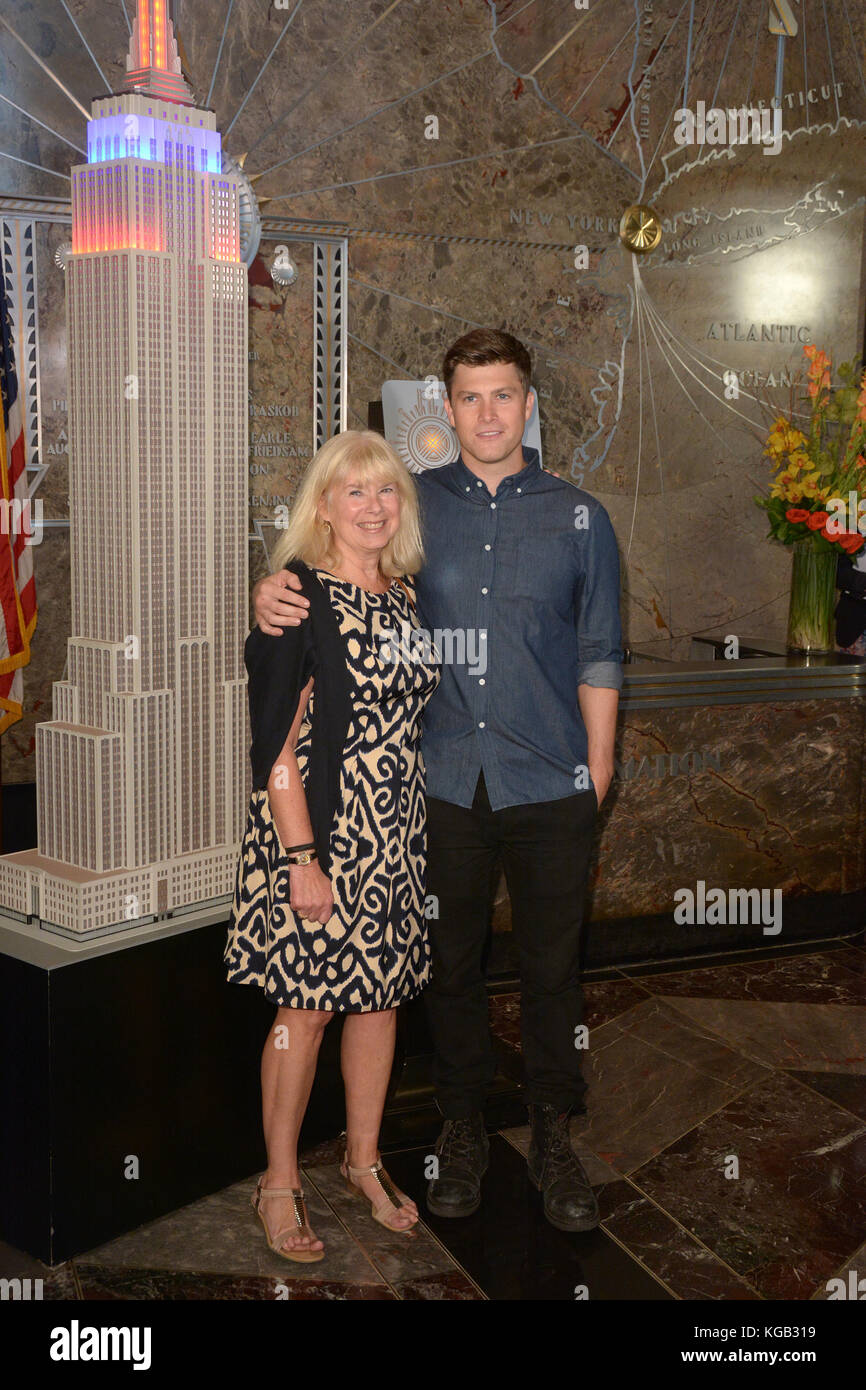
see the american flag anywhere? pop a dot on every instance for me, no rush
(17, 584)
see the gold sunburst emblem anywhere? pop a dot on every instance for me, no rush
(424, 437)
(640, 229)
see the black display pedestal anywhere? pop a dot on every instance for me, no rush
(133, 1055)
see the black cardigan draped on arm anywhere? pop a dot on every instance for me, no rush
(278, 668)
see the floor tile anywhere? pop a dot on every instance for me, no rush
(596, 1169)
(853, 1276)
(603, 1001)
(797, 1209)
(511, 1251)
(222, 1235)
(652, 1076)
(329, 1151)
(37, 1282)
(505, 1018)
(609, 999)
(688, 1268)
(760, 1056)
(805, 1037)
(826, 977)
(15, 1264)
(60, 1283)
(399, 1258)
(454, 1287)
(104, 1282)
(846, 1091)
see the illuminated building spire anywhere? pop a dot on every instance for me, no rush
(152, 64)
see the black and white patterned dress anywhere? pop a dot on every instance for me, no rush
(372, 953)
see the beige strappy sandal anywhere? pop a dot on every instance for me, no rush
(394, 1199)
(300, 1227)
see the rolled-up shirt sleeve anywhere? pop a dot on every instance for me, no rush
(599, 632)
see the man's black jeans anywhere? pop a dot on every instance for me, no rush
(544, 849)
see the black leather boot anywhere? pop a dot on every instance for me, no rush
(556, 1170)
(463, 1152)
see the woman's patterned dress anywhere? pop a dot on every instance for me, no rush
(372, 953)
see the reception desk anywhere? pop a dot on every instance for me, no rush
(743, 774)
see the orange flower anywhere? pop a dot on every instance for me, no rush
(795, 514)
(817, 519)
(819, 369)
(849, 541)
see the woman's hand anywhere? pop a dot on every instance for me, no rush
(278, 602)
(310, 893)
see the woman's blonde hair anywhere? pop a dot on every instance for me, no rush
(366, 456)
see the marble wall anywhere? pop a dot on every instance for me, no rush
(771, 796)
(468, 148)
(774, 798)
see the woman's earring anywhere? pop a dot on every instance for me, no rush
(327, 525)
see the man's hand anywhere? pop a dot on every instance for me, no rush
(274, 607)
(601, 778)
(598, 708)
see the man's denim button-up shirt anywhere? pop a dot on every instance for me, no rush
(520, 593)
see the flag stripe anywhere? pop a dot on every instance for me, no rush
(17, 580)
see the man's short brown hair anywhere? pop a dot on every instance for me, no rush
(483, 346)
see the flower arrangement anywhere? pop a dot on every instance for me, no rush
(825, 465)
(816, 503)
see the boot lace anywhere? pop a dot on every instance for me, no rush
(561, 1160)
(459, 1143)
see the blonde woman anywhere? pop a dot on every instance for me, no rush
(328, 911)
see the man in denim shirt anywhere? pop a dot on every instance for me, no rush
(522, 577)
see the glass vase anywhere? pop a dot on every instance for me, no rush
(811, 625)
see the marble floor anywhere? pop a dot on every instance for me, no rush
(725, 1135)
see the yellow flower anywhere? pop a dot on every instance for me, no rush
(776, 437)
(810, 488)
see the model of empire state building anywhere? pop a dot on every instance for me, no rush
(142, 780)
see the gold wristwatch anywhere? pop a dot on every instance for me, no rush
(305, 856)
